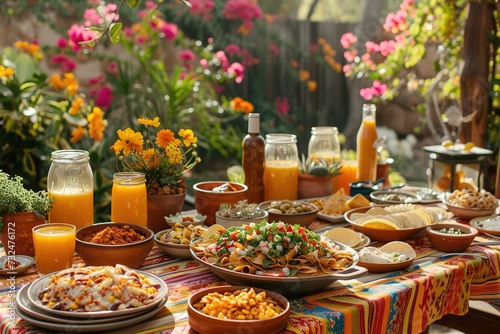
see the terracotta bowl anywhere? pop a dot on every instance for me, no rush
(131, 255)
(207, 324)
(207, 201)
(303, 219)
(445, 242)
(468, 213)
(233, 221)
(174, 250)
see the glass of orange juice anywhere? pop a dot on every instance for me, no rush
(348, 174)
(54, 247)
(281, 167)
(129, 200)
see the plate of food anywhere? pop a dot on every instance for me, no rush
(332, 208)
(393, 197)
(392, 256)
(487, 225)
(175, 241)
(102, 292)
(348, 237)
(394, 222)
(15, 264)
(427, 195)
(265, 255)
(185, 219)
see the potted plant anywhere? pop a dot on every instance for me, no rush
(164, 159)
(20, 210)
(240, 213)
(315, 177)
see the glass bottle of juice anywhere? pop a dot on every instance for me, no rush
(366, 152)
(281, 167)
(324, 143)
(253, 160)
(129, 199)
(71, 183)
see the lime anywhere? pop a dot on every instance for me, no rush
(447, 143)
(469, 146)
(236, 174)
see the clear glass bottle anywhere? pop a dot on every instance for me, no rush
(281, 167)
(324, 143)
(70, 182)
(366, 152)
(129, 199)
(253, 160)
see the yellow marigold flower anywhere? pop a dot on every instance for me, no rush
(304, 75)
(173, 153)
(6, 72)
(96, 124)
(164, 137)
(188, 137)
(294, 63)
(71, 83)
(149, 122)
(236, 103)
(76, 106)
(312, 85)
(321, 41)
(247, 107)
(33, 49)
(150, 156)
(56, 82)
(129, 141)
(21, 45)
(77, 134)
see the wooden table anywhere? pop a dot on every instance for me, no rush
(406, 301)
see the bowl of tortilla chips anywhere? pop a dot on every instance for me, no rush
(244, 255)
(394, 222)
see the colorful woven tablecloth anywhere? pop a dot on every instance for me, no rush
(398, 302)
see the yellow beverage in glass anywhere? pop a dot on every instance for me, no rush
(74, 208)
(348, 175)
(54, 247)
(281, 180)
(129, 201)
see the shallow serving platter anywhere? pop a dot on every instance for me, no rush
(179, 251)
(385, 267)
(288, 286)
(478, 224)
(334, 219)
(180, 217)
(468, 213)
(40, 284)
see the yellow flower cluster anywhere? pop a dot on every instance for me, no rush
(168, 158)
(238, 104)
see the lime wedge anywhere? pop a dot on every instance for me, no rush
(236, 174)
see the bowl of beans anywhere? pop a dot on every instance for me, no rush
(109, 244)
(451, 237)
(251, 310)
(290, 212)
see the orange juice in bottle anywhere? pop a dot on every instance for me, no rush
(281, 167)
(71, 183)
(129, 201)
(366, 152)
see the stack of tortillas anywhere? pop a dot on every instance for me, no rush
(345, 236)
(399, 216)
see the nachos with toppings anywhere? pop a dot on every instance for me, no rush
(273, 249)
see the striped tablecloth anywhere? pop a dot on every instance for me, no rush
(398, 302)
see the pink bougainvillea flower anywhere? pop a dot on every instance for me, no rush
(282, 105)
(112, 68)
(78, 34)
(169, 30)
(202, 8)
(274, 50)
(245, 10)
(62, 43)
(224, 62)
(387, 47)
(204, 63)
(366, 93)
(238, 70)
(186, 55)
(232, 49)
(97, 79)
(104, 97)
(372, 46)
(348, 39)
(350, 55)
(379, 88)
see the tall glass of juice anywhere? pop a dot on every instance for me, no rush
(281, 167)
(129, 201)
(54, 247)
(71, 183)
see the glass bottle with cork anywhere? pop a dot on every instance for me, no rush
(253, 160)
(366, 151)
